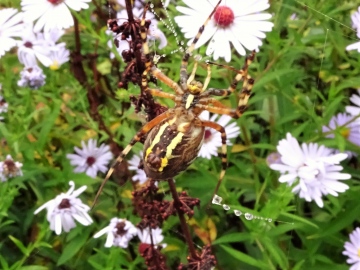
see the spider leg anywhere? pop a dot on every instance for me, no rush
(208, 77)
(192, 76)
(159, 93)
(160, 76)
(216, 92)
(213, 101)
(149, 65)
(241, 75)
(243, 96)
(157, 73)
(143, 131)
(223, 154)
(219, 110)
(190, 49)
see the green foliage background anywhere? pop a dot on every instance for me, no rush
(303, 77)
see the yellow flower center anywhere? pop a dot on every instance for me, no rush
(345, 132)
(54, 65)
(358, 252)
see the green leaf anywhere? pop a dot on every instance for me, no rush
(296, 218)
(231, 238)
(299, 265)
(34, 267)
(73, 247)
(47, 124)
(4, 264)
(244, 258)
(20, 245)
(271, 246)
(272, 75)
(342, 221)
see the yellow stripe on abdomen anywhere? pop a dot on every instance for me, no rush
(169, 149)
(156, 139)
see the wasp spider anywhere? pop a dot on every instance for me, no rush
(173, 139)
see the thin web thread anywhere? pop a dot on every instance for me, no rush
(322, 60)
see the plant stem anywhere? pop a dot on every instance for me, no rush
(183, 223)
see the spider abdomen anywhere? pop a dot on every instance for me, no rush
(171, 147)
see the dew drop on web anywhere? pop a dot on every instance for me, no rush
(216, 200)
(226, 207)
(237, 213)
(249, 216)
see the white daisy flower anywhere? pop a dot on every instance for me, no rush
(65, 209)
(212, 138)
(346, 126)
(140, 4)
(312, 169)
(146, 235)
(91, 159)
(119, 233)
(154, 33)
(59, 56)
(10, 168)
(51, 14)
(352, 250)
(354, 110)
(140, 174)
(10, 26)
(355, 46)
(53, 36)
(33, 47)
(166, 3)
(241, 23)
(3, 105)
(32, 77)
(58, 52)
(355, 18)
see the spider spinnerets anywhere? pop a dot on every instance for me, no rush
(174, 138)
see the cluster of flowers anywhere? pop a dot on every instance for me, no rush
(66, 208)
(37, 43)
(239, 23)
(313, 170)
(10, 169)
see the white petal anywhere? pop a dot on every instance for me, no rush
(58, 224)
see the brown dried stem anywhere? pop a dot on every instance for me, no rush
(183, 223)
